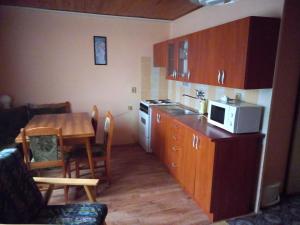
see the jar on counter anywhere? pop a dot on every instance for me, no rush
(203, 106)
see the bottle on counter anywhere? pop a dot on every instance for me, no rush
(203, 106)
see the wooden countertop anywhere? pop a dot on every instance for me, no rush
(199, 123)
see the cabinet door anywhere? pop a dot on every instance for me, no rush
(159, 134)
(234, 53)
(204, 172)
(160, 54)
(227, 54)
(172, 60)
(189, 162)
(155, 139)
(215, 55)
(182, 59)
(198, 48)
(162, 133)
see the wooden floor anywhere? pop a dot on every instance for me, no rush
(141, 193)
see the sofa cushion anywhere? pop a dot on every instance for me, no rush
(20, 197)
(11, 121)
(85, 213)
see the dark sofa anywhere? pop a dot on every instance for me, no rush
(12, 120)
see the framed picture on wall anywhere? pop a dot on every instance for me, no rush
(100, 50)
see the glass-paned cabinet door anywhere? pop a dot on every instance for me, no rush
(171, 59)
(183, 58)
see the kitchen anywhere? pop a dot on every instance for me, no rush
(134, 70)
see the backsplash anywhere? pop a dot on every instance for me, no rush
(258, 96)
(153, 84)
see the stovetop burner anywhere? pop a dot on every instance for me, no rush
(158, 102)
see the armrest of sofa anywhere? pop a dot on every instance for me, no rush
(86, 183)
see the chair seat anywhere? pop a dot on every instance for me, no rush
(85, 213)
(80, 151)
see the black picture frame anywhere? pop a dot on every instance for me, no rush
(100, 50)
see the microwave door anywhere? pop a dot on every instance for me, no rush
(217, 114)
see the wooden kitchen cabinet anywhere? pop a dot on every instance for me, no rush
(160, 54)
(158, 134)
(239, 54)
(189, 161)
(221, 175)
(198, 61)
(217, 169)
(175, 148)
(178, 60)
(234, 177)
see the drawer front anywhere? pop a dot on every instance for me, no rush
(176, 132)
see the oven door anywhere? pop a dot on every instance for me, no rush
(144, 136)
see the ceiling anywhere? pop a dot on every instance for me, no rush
(153, 9)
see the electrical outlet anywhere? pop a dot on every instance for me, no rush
(133, 89)
(238, 96)
(130, 107)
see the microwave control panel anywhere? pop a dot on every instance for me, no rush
(231, 118)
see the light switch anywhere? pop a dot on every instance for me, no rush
(130, 107)
(133, 89)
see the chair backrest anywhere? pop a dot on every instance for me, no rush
(108, 132)
(37, 109)
(46, 146)
(94, 120)
(20, 198)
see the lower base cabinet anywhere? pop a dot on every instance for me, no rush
(219, 174)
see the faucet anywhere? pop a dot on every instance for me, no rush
(199, 95)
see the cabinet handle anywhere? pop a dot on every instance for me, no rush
(174, 137)
(219, 76)
(223, 77)
(197, 140)
(173, 165)
(194, 138)
(189, 75)
(174, 149)
(175, 74)
(158, 118)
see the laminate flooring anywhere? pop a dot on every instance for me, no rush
(141, 193)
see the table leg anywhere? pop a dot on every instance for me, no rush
(90, 156)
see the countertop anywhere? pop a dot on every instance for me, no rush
(199, 123)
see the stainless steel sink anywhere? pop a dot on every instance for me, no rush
(179, 110)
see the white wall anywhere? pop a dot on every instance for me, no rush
(47, 56)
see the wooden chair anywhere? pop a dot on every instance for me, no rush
(101, 152)
(45, 144)
(94, 120)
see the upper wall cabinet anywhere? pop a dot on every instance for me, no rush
(240, 54)
(178, 59)
(160, 54)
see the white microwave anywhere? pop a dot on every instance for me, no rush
(238, 117)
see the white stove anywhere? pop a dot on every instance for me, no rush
(145, 120)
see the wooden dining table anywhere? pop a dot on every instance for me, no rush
(76, 127)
